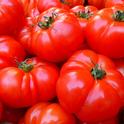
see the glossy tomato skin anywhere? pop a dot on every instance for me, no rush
(11, 52)
(87, 11)
(56, 42)
(110, 3)
(97, 3)
(120, 65)
(11, 16)
(105, 34)
(94, 97)
(44, 113)
(23, 87)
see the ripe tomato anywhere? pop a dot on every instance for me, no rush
(97, 3)
(10, 52)
(91, 87)
(120, 65)
(31, 82)
(105, 32)
(1, 111)
(55, 37)
(45, 113)
(11, 16)
(84, 14)
(110, 3)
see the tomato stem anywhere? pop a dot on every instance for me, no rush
(119, 15)
(25, 67)
(47, 22)
(98, 73)
(84, 14)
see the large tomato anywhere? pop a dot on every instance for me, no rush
(110, 3)
(46, 4)
(54, 35)
(84, 14)
(91, 87)
(11, 16)
(31, 82)
(45, 113)
(97, 3)
(120, 65)
(11, 51)
(105, 32)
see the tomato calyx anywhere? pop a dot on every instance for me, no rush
(97, 72)
(84, 14)
(119, 15)
(47, 22)
(65, 2)
(25, 66)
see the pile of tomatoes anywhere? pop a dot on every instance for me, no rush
(62, 61)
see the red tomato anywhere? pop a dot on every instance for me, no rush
(84, 14)
(55, 35)
(105, 32)
(31, 82)
(120, 65)
(97, 3)
(46, 4)
(10, 51)
(44, 113)
(110, 3)
(112, 121)
(1, 111)
(91, 87)
(11, 16)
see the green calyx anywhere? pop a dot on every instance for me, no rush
(98, 73)
(47, 22)
(25, 67)
(84, 14)
(119, 15)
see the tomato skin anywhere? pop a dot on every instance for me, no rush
(110, 3)
(28, 88)
(11, 17)
(56, 43)
(97, 3)
(120, 65)
(104, 31)
(112, 121)
(44, 113)
(8, 52)
(76, 83)
(1, 111)
(91, 10)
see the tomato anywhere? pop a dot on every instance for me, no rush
(54, 36)
(8, 51)
(83, 14)
(21, 121)
(97, 3)
(32, 81)
(46, 113)
(110, 3)
(105, 32)
(46, 4)
(1, 111)
(91, 87)
(120, 65)
(112, 121)
(11, 16)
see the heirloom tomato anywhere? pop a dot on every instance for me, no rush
(10, 51)
(54, 36)
(46, 113)
(110, 3)
(32, 81)
(105, 32)
(91, 87)
(11, 16)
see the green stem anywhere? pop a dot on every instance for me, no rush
(119, 15)
(97, 73)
